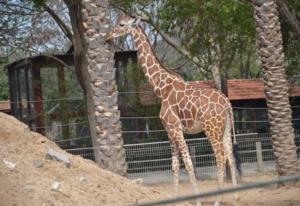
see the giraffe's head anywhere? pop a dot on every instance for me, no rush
(122, 28)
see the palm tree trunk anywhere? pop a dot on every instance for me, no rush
(270, 48)
(95, 69)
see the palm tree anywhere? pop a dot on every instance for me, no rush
(270, 48)
(95, 70)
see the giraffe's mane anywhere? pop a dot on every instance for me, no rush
(170, 71)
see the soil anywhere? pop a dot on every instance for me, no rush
(270, 196)
(84, 183)
(31, 182)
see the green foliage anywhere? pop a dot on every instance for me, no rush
(130, 80)
(50, 88)
(38, 3)
(290, 42)
(217, 32)
(62, 104)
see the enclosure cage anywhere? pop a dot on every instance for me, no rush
(26, 87)
(45, 94)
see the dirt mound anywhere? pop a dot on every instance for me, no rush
(37, 180)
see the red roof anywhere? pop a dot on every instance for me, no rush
(242, 89)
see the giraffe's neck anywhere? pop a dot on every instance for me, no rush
(156, 74)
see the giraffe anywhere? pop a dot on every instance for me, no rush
(185, 108)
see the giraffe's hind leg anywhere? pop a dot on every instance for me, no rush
(228, 148)
(233, 174)
(218, 148)
(220, 159)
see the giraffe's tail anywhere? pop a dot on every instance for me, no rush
(232, 124)
(235, 144)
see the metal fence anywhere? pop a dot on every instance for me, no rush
(152, 161)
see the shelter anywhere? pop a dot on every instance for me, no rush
(45, 104)
(45, 94)
(25, 85)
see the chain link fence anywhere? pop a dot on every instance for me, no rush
(152, 161)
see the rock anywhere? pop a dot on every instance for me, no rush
(55, 186)
(82, 179)
(52, 154)
(38, 163)
(9, 165)
(138, 181)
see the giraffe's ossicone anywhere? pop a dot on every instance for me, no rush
(185, 107)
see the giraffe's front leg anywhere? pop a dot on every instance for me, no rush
(184, 152)
(175, 165)
(172, 123)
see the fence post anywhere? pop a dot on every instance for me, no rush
(260, 167)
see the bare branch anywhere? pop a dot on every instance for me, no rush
(59, 22)
(178, 67)
(165, 54)
(36, 52)
(292, 19)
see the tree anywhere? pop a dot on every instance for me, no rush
(290, 16)
(220, 33)
(94, 64)
(89, 21)
(270, 48)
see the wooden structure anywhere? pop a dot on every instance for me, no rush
(28, 99)
(27, 103)
(25, 87)
(249, 94)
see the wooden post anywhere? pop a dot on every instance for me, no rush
(29, 109)
(259, 157)
(38, 99)
(64, 111)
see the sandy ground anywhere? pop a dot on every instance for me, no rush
(270, 196)
(84, 183)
